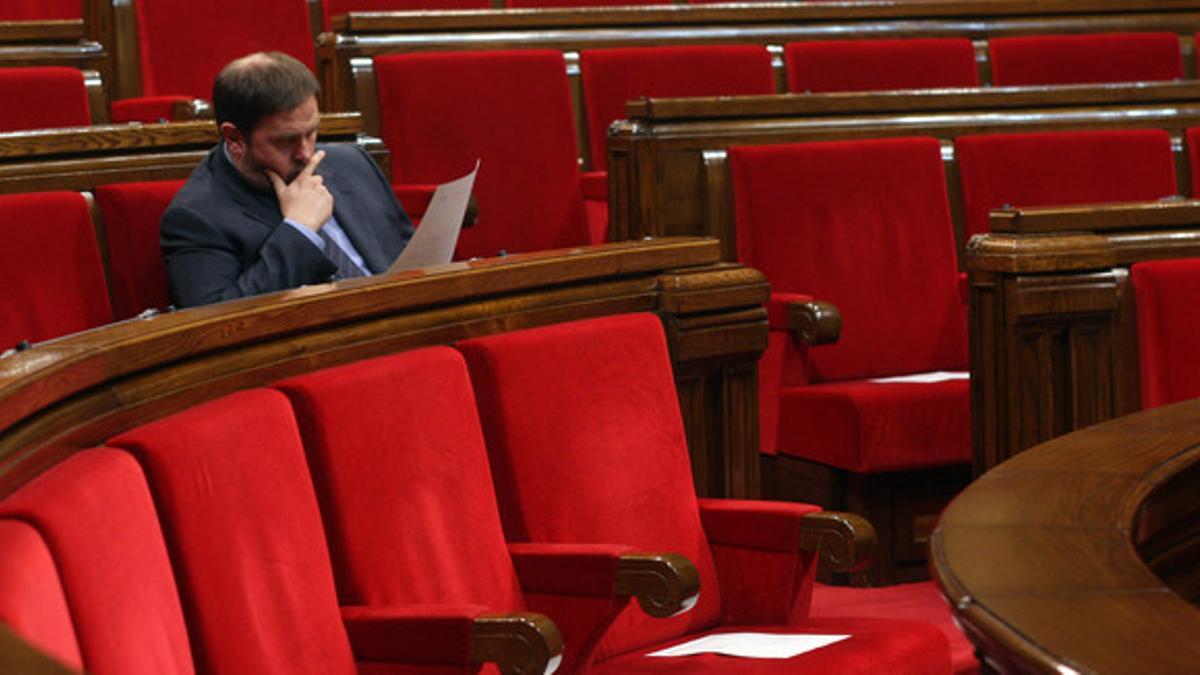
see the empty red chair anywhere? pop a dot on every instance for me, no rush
(98, 520)
(183, 45)
(131, 213)
(231, 479)
(1080, 59)
(332, 8)
(587, 444)
(865, 65)
(32, 603)
(1062, 168)
(440, 112)
(1165, 293)
(1193, 150)
(43, 97)
(51, 280)
(40, 10)
(584, 3)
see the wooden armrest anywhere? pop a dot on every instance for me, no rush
(18, 656)
(845, 541)
(665, 584)
(1165, 213)
(191, 109)
(517, 643)
(815, 322)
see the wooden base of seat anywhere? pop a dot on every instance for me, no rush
(902, 505)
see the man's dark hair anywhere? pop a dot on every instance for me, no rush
(259, 85)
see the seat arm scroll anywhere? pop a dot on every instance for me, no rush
(845, 541)
(519, 644)
(814, 322)
(665, 584)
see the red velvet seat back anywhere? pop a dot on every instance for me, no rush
(1168, 329)
(131, 214)
(1077, 59)
(582, 3)
(185, 44)
(402, 476)
(97, 517)
(613, 76)
(864, 225)
(1061, 168)
(1193, 151)
(40, 10)
(587, 445)
(42, 97)
(441, 111)
(865, 65)
(32, 603)
(334, 8)
(242, 525)
(51, 279)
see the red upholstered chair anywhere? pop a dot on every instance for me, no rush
(183, 45)
(402, 475)
(231, 480)
(1165, 293)
(40, 10)
(131, 212)
(51, 279)
(98, 520)
(583, 3)
(586, 441)
(1193, 150)
(1062, 168)
(32, 603)
(332, 8)
(865, 65)
(1078, 59)
(43, 97)
(441, 111)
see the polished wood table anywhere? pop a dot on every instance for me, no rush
(1082, 555)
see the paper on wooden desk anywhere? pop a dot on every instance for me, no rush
(752, 645)
(433, 242)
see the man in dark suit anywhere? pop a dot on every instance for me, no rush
(269, 209)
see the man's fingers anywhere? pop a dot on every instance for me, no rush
(276, 182)
(312, 164)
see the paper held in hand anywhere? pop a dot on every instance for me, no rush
(433, 242)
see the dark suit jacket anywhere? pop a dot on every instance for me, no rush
(223, 239)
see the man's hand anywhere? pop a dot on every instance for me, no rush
(304, 200)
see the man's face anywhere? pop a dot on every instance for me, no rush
(282, 142)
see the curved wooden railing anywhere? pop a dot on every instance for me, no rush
(1082, 555)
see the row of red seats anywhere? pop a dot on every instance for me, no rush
(301, 532)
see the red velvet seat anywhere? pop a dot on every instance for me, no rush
(32, 603)
(231, 480)
(98, 520)
(1193, 151)
(841, 222)
(441, 111)
(1078, 59)
(332, 8)
(183, 45)
(583, 3)
(43, 97)
(40, 10)
(865, 65)
(1061, 168)
(1165, 293)
(51, 279)
(584, 433)
(131, 213)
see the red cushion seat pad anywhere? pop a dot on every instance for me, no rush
(865, 65)
(1078, 59)
(32, 603)
(1168, 329)
(1062, 167)
(407, 420)
(43, 97)
(875, 646)
(870, 427)
(96, 514)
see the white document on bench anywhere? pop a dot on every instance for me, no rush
(433, 242)
(924, 378)
(752, 645)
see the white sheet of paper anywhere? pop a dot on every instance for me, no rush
(433, 242)
(752, 645)
(918, 378)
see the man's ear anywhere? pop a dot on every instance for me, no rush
(234, 140)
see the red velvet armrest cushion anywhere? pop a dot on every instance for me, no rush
(148, 109)
(567, 569)
(777, 308)
(414, 198)
(415, 634)
(765, 525)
